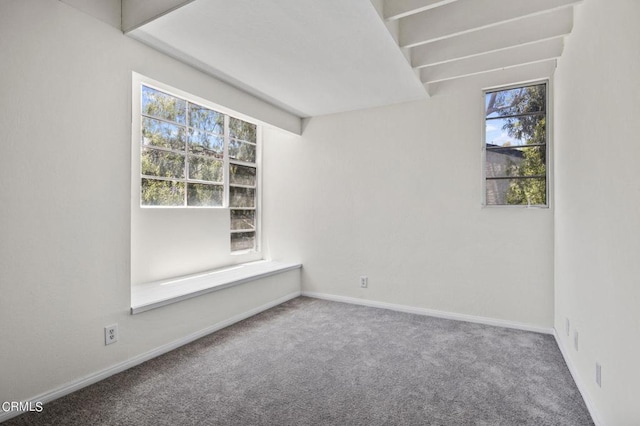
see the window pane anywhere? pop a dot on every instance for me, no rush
(206, 119)
(199, 194)
(243, 241)
(203, 143)
(242, 197)
(242, 151)
(162, 105)
(532, 191)
(242, 130)
(243, 219)
(242, 175)
(208, 169)
(520, 100)
(161, 193)
(162, 134)
(516, 131)
(161, 163)
(527, 161)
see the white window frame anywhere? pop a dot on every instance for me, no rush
(138, 81)
(548, 143)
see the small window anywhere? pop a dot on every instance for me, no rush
(515, 146)
(194, 156)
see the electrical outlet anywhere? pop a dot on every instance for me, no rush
(575, 339)
(567, 327)
(364, 281)
(110, 334)
(598, 374)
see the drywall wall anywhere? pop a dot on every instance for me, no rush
(598, 204)
(394, 193)
(109, 11)
(65, 115)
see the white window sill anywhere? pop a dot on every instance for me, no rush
(152, 295)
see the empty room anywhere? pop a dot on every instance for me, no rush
(320, 212)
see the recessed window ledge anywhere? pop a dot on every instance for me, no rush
(515, 206)
(152, 295)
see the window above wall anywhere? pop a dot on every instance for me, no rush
(193, 155)
(516, 146)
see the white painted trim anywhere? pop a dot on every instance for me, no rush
(595, 415)
(139, 359)
(432, 313)
(145, 297)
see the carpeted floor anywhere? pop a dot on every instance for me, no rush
(314, 362)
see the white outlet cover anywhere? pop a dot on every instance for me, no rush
(110, 334)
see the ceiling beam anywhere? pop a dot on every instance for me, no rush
(139, 12)
(465, 16)
(520, 55)
(514, 33)
(489, 80)
(396, 9)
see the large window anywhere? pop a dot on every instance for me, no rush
(194, 156)
(515, 146)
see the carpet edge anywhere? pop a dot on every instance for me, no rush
(432, 313)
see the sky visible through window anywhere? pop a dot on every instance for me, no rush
(516, 150)
(495, 134)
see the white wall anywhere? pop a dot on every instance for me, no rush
(65, 120)
(391, 192)
(395, 193)
(598, 204)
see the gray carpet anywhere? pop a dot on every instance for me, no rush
(314, 362)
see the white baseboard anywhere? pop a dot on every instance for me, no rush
(431, 312)
(132, 362)
(579, 382)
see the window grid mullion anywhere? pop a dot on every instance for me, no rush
(225, 158)
(186, 152)
(188, 129)
(242, 163)
(243, 231)
(239, 185)
(524, 114)
(498, 147)
(515, 177)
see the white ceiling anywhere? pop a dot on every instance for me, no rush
(315, 57)
(310, 57)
